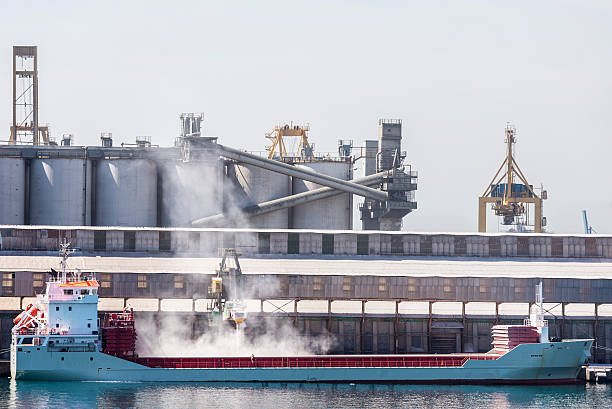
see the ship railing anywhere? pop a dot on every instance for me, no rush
(312, 362)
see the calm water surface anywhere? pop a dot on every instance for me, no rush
(196, 395)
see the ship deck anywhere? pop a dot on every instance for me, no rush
(326, 361)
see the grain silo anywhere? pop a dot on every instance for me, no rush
(59, 192)
(126, 193)
(259, 185)
(333, 213)
(12, 191)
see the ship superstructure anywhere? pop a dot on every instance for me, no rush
(63, 319)
(58, 338)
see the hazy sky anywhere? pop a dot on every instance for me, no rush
(454, 71)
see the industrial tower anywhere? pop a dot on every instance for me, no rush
(400, 183)
(25, 127)
(511, 200)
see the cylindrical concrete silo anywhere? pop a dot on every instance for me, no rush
(259, 185)
(59, 192)
(334, 213)
(12, 190)
(190, 191)
(126, 193)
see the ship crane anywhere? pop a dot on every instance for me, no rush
(226, 292)
(511, 200)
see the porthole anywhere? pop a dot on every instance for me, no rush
(91, 358)
(62, 358)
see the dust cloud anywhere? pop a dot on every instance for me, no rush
(172, 336)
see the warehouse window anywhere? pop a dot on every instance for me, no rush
(383, 287)
(99, 240)
(283, 286)
(549, 289)
(38, 282)
(179, 284)
(165, 240)
(229, 240)
(448, 286)
(318, 287)
(129, 240)
(485, 288)
(293, 243)
(397, 244)
(194, 241)
(263, 240)
(328, 244)
(363, 244)
(348, 288)
(143, 280)
(106, 280)
(143, 284)
(8, 283)
(412, 286)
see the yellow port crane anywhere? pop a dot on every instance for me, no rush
(277, 135)
(510, 200)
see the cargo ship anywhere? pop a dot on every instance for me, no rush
(60, 338)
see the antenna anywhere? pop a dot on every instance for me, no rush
(65, 251)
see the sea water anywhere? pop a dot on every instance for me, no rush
(197, 395)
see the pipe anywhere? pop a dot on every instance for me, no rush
(304, 174)
(293, 200)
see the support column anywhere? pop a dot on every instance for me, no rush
(429, 327)
(595, 325)
(362, 328)
(482, 215)
(462, 326)
(396, 328)
(537, 222)
(329, 321)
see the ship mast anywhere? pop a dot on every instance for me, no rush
(64, 252)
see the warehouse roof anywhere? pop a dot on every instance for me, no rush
(326, 265)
